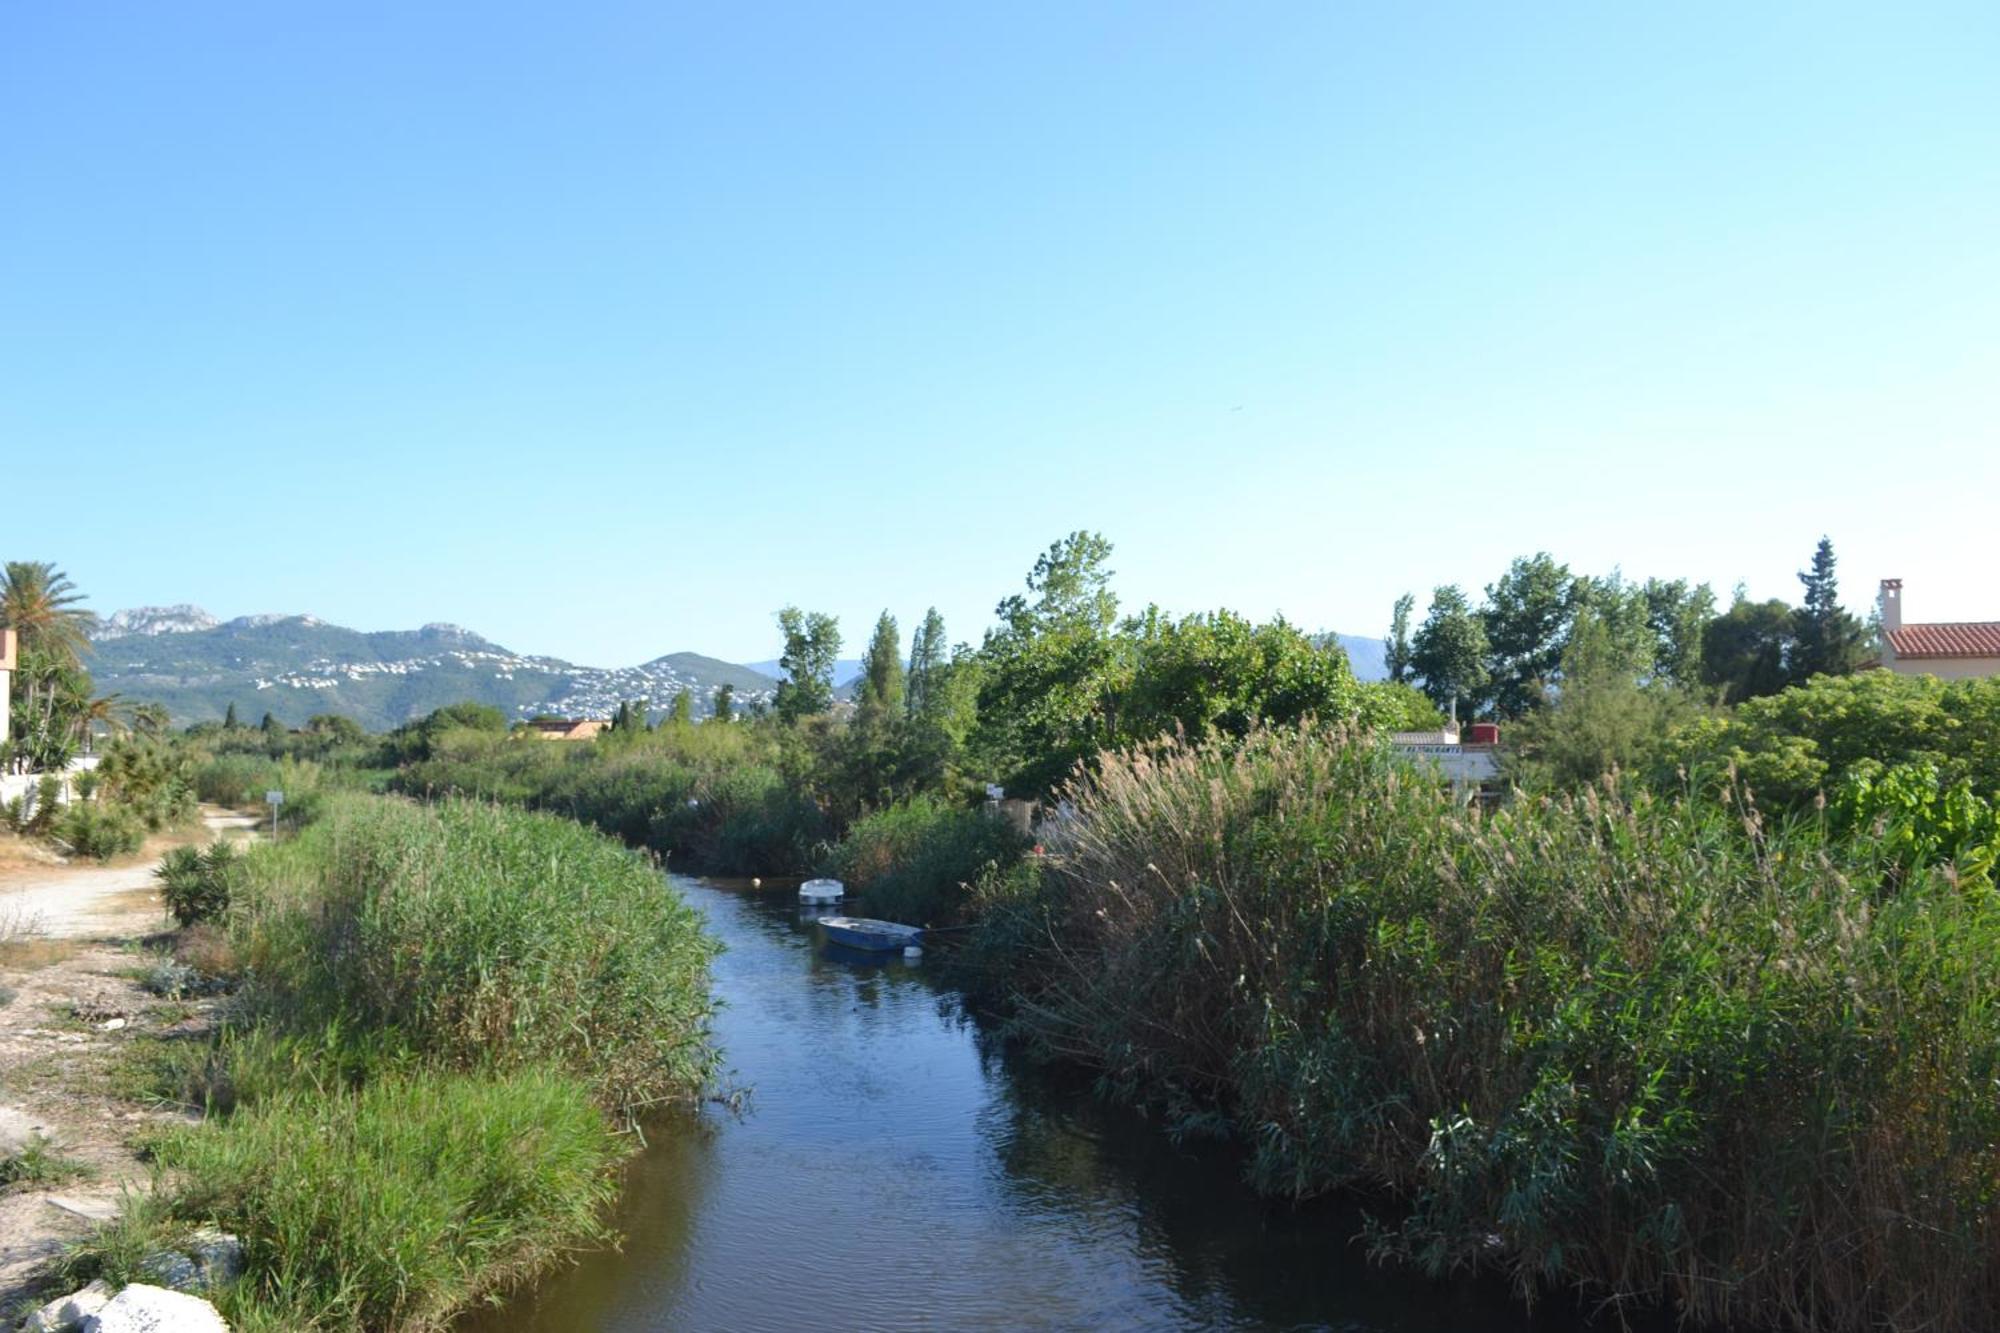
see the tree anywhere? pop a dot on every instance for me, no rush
(1678, 616)
(1830, 640)
(1397, 658)
(229, 722)
(39, 603)
(812, 649)
(1606, 717)
(880, 699)
(1747, 651)
(1526, 621)
(1072, 587)
(681, 711)
(1450, 649)
(271, 727)
(921, 693)
(724, 705)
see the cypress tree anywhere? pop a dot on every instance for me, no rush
(1829, 639)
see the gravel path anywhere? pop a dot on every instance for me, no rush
(73, 902)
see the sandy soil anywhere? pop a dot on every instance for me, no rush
(71, 939)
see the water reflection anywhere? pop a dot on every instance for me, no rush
(893, 1171)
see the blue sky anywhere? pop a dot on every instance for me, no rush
(609, 329)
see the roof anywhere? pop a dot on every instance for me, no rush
(1965, 638)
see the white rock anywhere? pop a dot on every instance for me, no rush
(143, 1309)
(113, 1024)
(67, 1313)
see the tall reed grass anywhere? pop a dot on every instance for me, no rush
(483, 937)
(1649, 1049)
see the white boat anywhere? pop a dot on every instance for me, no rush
(822, 891)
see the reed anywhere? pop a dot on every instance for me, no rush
(1651, 1049)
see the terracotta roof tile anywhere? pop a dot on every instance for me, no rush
(1978, 638)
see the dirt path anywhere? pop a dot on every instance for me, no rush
(82, 901)
(74, 941)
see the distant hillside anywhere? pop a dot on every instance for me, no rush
(296, 666)
(1368, 657)
(845, 671)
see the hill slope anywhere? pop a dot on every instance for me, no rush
(295, 666)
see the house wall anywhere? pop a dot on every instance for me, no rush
(1945, 668)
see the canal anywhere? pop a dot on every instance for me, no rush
(891, 1169)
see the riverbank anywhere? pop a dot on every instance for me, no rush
(73, 950)
(444, 1020)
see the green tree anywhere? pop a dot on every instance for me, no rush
(1747, 651)
(1397, 656)
(271, 727)
(681, 711)
(880, 699)
(229, 722)
(723, 706)
(812, 649)
(1606, 715)
(1679, 616)
(1831, 642)
(1072, 589)
(1526, 621)
(1449, 651)
(922, 694)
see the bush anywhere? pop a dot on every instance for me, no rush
(99, 831)
(482, 937)
(915, 860)
(389, 1207)
(1653, 1049)
(198, 884)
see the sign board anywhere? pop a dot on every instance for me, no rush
(274, 798)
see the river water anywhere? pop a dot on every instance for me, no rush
(893, 1170)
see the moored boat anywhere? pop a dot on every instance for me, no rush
(870, 935)
(822, 891)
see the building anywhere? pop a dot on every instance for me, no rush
(1949, 650)
(9, 663)
(1471, 766)
(568, 729)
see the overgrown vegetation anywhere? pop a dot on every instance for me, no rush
(1648, 1047)
(446, 1014)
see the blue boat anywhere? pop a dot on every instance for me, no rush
(870, 936)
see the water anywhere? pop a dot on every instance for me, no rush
(894, 1171)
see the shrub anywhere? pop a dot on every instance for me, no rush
(198, 884)
(915, 860)
(1648, 1048)
(483, 937)
(99, 831)
(389, 1207)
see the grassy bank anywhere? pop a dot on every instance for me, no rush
(448, 1016)
(1646, 1049)
(711, 799)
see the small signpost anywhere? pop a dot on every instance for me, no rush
(274, 799)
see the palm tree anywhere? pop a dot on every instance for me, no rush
(105, 710)
(39, 602)
(150, 719)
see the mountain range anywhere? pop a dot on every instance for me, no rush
(294, 666)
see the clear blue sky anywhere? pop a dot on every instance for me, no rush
(608, 329)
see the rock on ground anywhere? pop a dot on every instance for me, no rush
(143, 1309)
(65, 1314)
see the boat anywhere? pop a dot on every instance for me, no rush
(822, 891)
(859, 932)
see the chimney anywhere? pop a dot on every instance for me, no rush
(1892, 605)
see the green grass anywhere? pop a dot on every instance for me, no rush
(1644, 1048)
(482, 938)
(447, 1012)
(389, 1207)
(38, 1163)
(915, 859)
